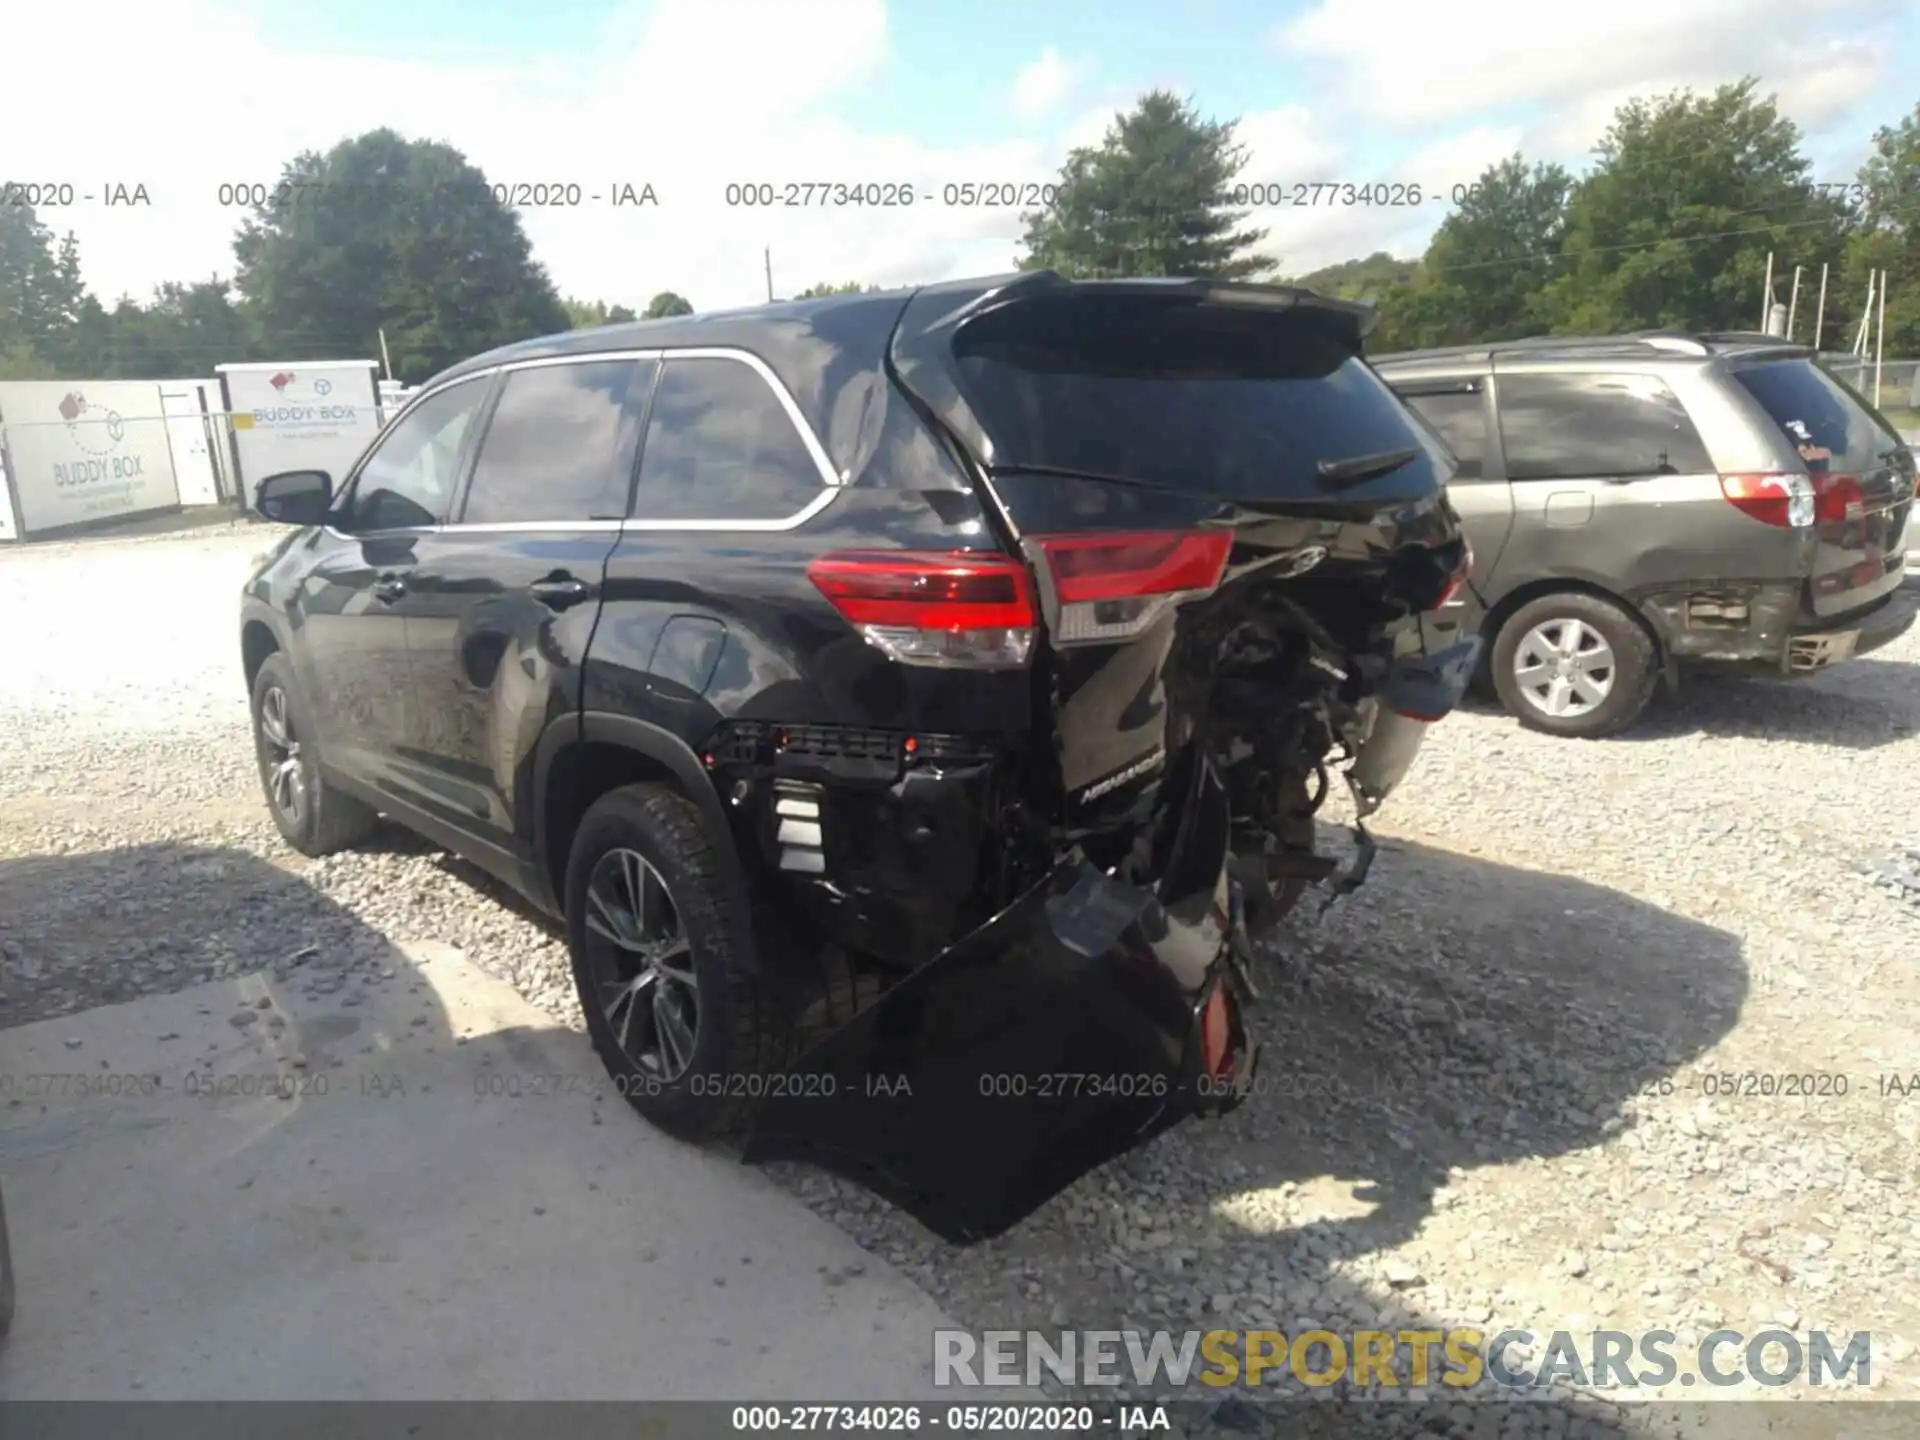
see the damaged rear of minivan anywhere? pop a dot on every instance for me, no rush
(1019, 735)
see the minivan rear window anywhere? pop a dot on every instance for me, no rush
(1831, 427)
(1225, 400)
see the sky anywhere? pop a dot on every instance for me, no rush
(689, 96)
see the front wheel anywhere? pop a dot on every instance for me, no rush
(662, 961)
(1574, 664)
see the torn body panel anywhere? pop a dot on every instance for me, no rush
(1072, 1026)
(1766, 628)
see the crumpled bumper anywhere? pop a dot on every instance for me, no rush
(1086, 1017)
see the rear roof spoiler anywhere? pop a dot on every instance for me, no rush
(1198, 290)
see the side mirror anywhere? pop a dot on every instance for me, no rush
(295, 497)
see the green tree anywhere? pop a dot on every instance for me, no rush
(1153, 198)
(186, 329)
(382, 233)
(1672, 227)
(584, 314)
(667, 303)
(40, 289)
(1486, 266)
(852, 287)
(1885, 237)
(1367, 279)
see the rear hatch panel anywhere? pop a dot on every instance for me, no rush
(1863, 476)
(1176, 408)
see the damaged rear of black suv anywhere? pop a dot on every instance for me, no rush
(914, 704)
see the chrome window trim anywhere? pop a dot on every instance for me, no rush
(831, 484)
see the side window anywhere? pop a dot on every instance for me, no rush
(1461, 420)
(720, 446)
(408, 480)
(560, 446)
(1563, 427)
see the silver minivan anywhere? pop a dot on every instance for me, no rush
(1646, 506)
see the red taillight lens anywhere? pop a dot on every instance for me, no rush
(1459, 576)
(962, 608)
(1785, 498)
(1113, 586)
(1216, 1035)
(1838, 499)
(1124, 567)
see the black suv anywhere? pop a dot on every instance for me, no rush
(941, 643)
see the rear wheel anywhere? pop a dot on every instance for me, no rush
(662, 953)
(1574, 664)
(313, 817)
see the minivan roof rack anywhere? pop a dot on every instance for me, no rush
(1665, 342)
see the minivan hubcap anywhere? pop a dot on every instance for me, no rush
(1564, 667)
(286, 774)
(642, 964)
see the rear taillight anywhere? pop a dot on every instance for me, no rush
(1838, 499)
(1459, 576)
(1216, 1035)
(1114, 586)
(1784, 498)
(960, 609)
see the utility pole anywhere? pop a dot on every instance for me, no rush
(1820, 316)
(1766, 299)
(1793, 303)
(768, 255)
(1880, 341)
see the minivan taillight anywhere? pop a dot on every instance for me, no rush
(1783, 498)
(1838, 499)
(960, 609)
(1113, 586)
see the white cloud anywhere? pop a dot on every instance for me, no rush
(689, 95)
(1411, 66)
(701, 94)
(1040, 88)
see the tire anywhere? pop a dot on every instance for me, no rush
(326, 819)
(1624, 687)
(702, 950)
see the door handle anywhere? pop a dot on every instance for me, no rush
(389, 588)
(557, 592)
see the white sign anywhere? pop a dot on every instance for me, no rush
(86, 450)
(304, 415)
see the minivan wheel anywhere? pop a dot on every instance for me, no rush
(1574, 664)
(313, 817)
(661, 954)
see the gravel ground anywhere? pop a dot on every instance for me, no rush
(1488, 1093)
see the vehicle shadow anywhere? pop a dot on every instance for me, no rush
(1513, 1016)
(78, 930)
(1862, 705)
(327, 1173)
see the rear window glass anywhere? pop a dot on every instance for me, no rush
(1461, 419)
(1829, 425)
(1239, 403)
(1565, 427)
